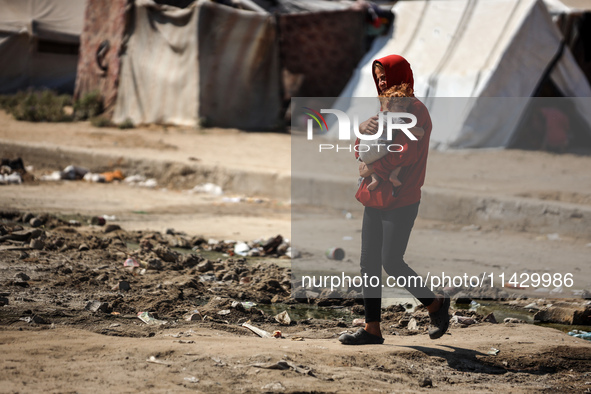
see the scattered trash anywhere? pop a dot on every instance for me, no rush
(335, 253)
(14, 179)
(241, 248)
(95, 306)
(348, 215)
(553, 237)
(512, 320)
(149, 319)
(70, 173)
(97, 221)
(580, 334)
(283, 318)
(533, 306)
(224, 312)
(557, 290)
(347, 238)
(493, 351)
(34, 319)
(358, 322)
(208, 188)
(297, 338)
(131, 262)
(285, 365)
(277, 334)
(191, 379)
(154, 360)
(293, 254)
(258, 331)
(412, 325)
(194, 315)
(463, 320)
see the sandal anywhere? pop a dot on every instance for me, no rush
(440, 319)
(361, 337)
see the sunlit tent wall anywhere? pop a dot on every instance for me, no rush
(478, 49)
(211, 64)
(39, 42)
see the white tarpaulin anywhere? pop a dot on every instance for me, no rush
(475, 49)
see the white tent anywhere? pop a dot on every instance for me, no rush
(39, 43)
(475, 51)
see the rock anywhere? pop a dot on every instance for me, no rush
(22, 276)
(95, 306)
(39, 320)
(36, 244)
(155, 264)
(122, 286)
(230, 276)
(490, 318)
(272, 244)
(103, 277)
(425, 382)
(111, 227)
(462, 299)
(565, 313)
(166, 254)
(35, 222)
(27, 217)
(463, 320)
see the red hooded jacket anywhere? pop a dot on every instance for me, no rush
(413, 158)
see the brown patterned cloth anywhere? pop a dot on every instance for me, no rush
(324, 47)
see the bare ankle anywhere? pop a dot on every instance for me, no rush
(373, 328)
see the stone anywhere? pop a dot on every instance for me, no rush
(204, 266)
(22, 276)
(111, 227)
(490, 318)
(122, 286)
(36, 244)
(565, 313)
(35, 222)
(462, 299)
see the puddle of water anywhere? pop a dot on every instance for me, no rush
(298, 312)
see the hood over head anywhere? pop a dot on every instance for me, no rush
(397, 70)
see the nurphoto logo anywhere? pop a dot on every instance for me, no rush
(387, 121)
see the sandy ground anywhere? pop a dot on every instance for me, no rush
(82, 351)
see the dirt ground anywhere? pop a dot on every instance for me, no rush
(70, 323)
